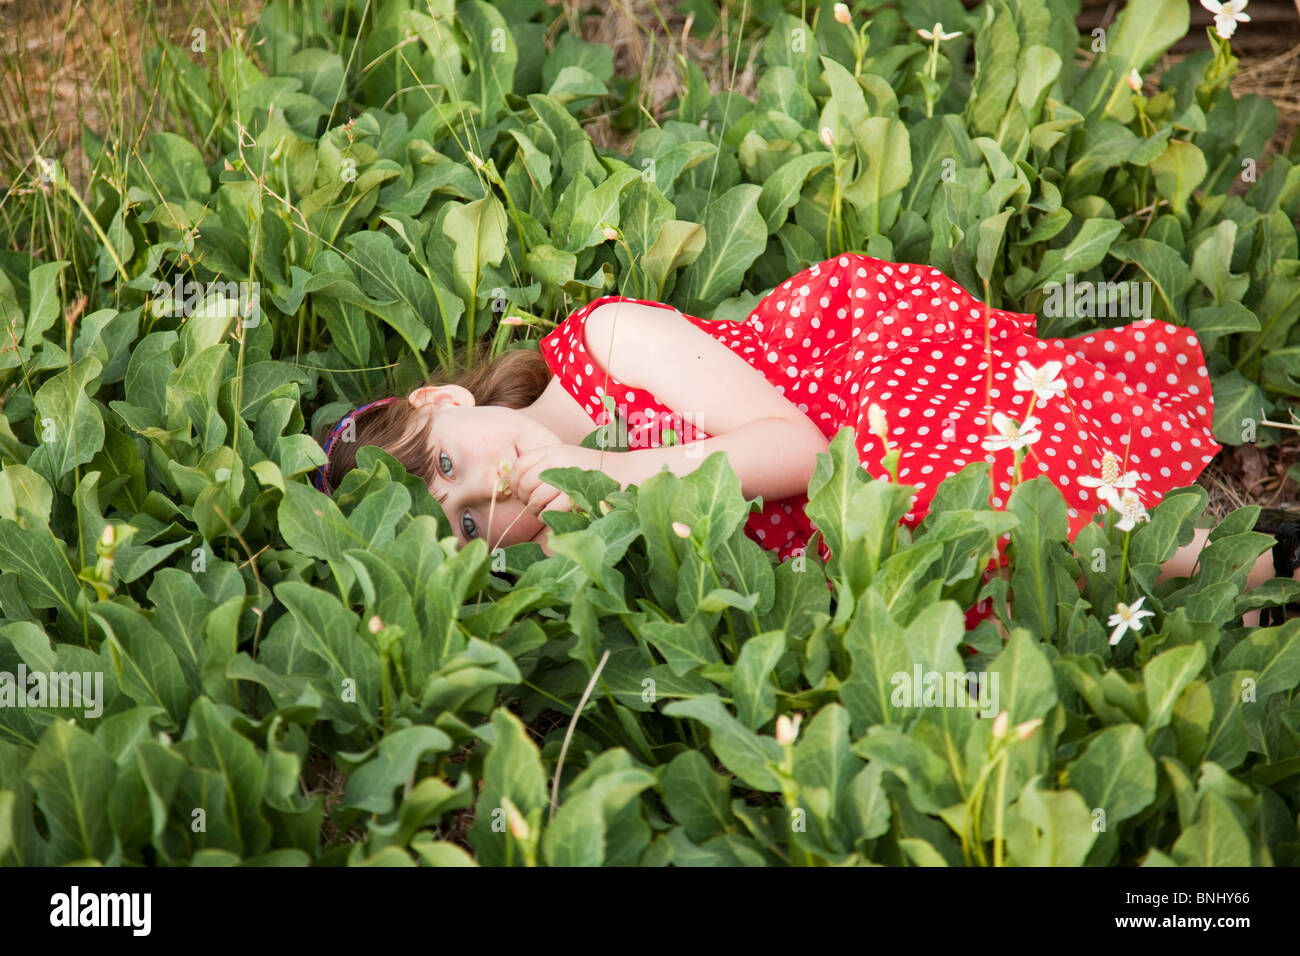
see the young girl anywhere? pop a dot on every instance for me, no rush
(899, 352)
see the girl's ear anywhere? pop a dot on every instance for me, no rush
(439, 395)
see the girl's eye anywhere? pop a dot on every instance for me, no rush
(467, 525)
(441, 457)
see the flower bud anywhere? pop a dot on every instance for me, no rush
(108, 537)
(1026, 730)
(1000, 723)
(828, 136)
(876, 421)
(519, 828)
(611, 234)
(681, 530)
(1135, 81)
(842, 13)
(478, 163)
(512, 320)
(787, 730)
(376, 625)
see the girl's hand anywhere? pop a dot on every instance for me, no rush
(537, 495)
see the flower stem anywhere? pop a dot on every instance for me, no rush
(1123, 567)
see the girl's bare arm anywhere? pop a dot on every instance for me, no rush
(771, 444)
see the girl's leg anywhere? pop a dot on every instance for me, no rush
(1183, 564)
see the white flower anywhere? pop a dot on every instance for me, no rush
(1110, 479)
(842, 13)
(1127, 617)
(1011, 435)
(1043, 382)
(1227, 15)
(938, 32)
(1000, 723)
(1135, 81)
(828, 136)
(1131, 510)
(681, 530)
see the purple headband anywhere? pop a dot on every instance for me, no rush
(318, 477)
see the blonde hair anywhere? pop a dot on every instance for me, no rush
(513, 379)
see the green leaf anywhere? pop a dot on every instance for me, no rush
(211, 744)
(1217, 838)
(73, 775)
(1048, 828)
(1211, 264)
(1178, 171)
(886, 156)
(741, 751)
(40, 564)
(1026, 687)
(370, 787)
(684, 646)
(752, 690)
(697, 797)
(1086, 250)
(781, 190)
(177, 168)
(69, 427)
(874, 642)
(44, 308)
(1115, 773)
(513, 770)
(478, 231)
(825, 767)
(1165, 676)
(737, 234)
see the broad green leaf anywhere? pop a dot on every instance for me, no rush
(1026, 686)
(741, 751)
(736, 235)
(752, 690)
(370, 787)
(1217, 838)
(1178, 171)
(1048, 828)
(1165, 676)
(73, 775)
(1115, 773)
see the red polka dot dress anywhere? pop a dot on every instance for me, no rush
(854, 331)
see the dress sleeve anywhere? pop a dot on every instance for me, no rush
(583, 376)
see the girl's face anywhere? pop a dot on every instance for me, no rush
(468, 443)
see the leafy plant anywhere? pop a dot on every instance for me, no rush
(398, 179)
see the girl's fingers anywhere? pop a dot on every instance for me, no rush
(523, 476)
(560, 502)
(541, 498)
